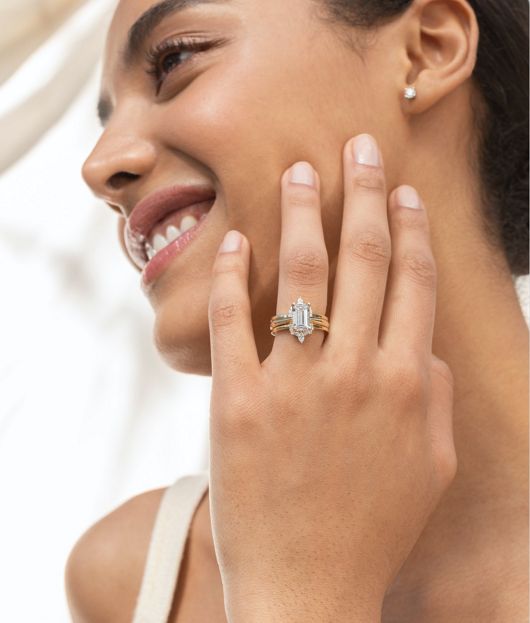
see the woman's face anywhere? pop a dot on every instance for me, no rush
(279, 85)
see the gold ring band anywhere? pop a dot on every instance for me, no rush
(316, 324)
(277, 330)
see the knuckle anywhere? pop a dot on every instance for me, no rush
(357, 379)
(420, 268)
(370, 180)
(407, 384)
(300, 195)
(224, 313)
(446, 463)
(372, 247)
(235, 426)
(362, 387)
(442, 369)
(236, 419)
(306, 267)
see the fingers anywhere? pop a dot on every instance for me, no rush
(365, 249)
(303, 269)
(233, 347)
(440, 419)
(408, 319)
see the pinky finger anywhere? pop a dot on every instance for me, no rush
(408, 319)
(440, 420)
(232, 344)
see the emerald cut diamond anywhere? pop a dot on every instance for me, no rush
(300, 313)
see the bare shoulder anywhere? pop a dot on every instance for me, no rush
(104, 570)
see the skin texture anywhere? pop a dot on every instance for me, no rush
(281, 91)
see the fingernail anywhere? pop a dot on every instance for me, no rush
(231, 242)
(365, 150)
(302, 173)
(407, 197)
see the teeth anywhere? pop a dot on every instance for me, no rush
(159, 242)
(172, 233)
(187, 223)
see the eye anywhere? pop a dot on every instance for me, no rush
(171, 54)
(171, 60)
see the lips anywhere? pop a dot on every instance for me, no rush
(155, 208)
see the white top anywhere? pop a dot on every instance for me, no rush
(168, 539)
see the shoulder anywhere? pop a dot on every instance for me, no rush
(104, 569)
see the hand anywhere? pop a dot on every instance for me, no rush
(327, 458)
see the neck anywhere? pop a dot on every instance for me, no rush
(481, 333)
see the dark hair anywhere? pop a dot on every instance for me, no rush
(501, 75)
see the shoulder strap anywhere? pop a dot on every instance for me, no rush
(166, 548)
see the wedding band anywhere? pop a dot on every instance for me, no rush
(299, 321)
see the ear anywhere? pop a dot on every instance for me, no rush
(442, 45)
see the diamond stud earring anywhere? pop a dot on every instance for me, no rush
(410, 92)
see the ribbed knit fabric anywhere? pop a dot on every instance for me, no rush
(166, 548)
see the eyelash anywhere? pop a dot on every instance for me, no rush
(156, 55)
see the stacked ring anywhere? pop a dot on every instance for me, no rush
(299, 321)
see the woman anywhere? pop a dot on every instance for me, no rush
(255, 104)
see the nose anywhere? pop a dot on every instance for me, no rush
(118, 163)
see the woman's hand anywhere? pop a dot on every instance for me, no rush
(327, 459)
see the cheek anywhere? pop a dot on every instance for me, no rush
(243, 127)
(251, 117)
(216, 123)
(230, 137)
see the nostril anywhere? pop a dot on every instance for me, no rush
(119, 180)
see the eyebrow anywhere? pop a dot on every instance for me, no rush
(139, 32)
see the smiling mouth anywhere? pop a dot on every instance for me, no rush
(174, 225)
(164, 217)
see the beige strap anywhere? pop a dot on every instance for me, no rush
(166, 548)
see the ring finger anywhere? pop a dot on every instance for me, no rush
(303, 269)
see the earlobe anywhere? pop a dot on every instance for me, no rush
(442, 50)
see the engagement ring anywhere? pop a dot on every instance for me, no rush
(299, 321)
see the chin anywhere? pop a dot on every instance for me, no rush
(184, 346)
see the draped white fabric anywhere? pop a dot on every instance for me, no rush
(90, 415)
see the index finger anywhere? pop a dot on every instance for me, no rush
(232, 344)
